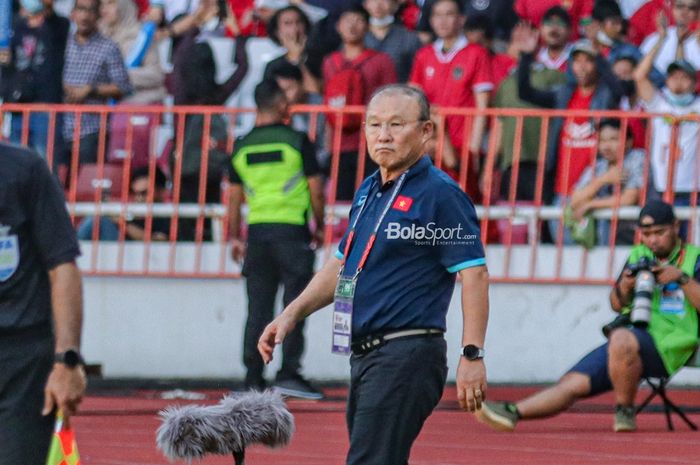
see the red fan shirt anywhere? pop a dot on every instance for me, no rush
(451, 79)
(534, 10)
(577, 145)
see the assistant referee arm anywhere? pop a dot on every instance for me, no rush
(66, 385)
(67, 304)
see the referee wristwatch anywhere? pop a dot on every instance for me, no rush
(70, 358)
(472, 352)
(683, 279)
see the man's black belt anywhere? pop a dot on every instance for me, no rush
(374, 341)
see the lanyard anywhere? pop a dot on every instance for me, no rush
(680, 258)
(370, 242)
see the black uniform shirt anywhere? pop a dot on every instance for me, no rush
(36, 235)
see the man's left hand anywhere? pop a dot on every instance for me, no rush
(471, 384)
(64, 389)
(666, 274)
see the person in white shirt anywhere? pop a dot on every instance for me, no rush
(677, 98)
(679, 42)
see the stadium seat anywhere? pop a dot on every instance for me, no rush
(658, 388)
(518, 226)
(90, 180)
(142, 137)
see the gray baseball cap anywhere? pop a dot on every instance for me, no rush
(584, 46)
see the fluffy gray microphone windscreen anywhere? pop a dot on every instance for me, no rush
(192, 431)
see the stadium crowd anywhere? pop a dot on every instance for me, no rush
(630, 55)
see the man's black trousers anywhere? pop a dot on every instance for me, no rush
(26, 359)
(393, 390)
(267, 265)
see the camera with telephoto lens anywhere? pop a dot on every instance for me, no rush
(643, 291)
(644, 264)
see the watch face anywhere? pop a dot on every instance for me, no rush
(471, 352)
(71, 358)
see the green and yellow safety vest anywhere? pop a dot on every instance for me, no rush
(270, 164)
(673, 328)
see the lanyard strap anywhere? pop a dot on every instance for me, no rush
(373, 236)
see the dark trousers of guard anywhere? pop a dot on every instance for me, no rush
(26, 358)
(393, 390)
(267, 266)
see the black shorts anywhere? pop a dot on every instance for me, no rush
(595, 364)
(26, 359)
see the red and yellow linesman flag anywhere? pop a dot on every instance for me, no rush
(63, 450)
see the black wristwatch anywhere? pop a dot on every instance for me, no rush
(683, 279)
(70, 358)
(472, 352)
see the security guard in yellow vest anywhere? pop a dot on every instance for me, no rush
(275, 169)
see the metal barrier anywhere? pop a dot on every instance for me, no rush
(153, 138)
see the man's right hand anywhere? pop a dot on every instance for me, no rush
(662, 25)
(238, 250)
(275, 333)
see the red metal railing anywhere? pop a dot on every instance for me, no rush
(159, 145)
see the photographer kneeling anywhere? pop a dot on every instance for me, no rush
(657, 295)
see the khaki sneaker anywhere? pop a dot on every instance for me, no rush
(501, 416)
(625, 419)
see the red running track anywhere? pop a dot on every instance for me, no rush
(120, 430)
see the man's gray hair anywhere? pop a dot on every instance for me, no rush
(409, 91)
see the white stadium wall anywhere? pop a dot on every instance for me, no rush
(193, 328)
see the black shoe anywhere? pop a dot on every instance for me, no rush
(255, 385)
(297, 387)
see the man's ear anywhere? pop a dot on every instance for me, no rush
(428, 128)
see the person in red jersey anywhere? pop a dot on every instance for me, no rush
(533, 11)
(454, 73)
(376, 70)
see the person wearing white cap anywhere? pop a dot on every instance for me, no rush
(677, 98)
(676, 41)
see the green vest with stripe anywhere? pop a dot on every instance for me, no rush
(674, 329)
(270, 163)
